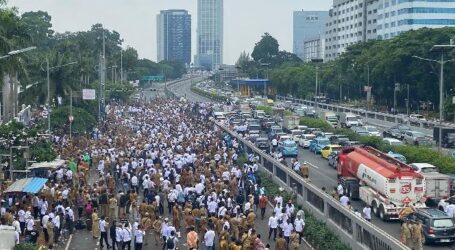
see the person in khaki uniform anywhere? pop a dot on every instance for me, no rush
(112, 208)
(223, 243)
(304, 170)
(157, 231)
(234, 223)
(405, 234)
(146, 223)
(294, 241)
(251, 218)
(280, 243)
(176, 216)
(417, 235)
(50, 231)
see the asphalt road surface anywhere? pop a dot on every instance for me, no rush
(183, 89)
(322, 175)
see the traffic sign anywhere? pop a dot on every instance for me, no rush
(88, 94)
(153, 78)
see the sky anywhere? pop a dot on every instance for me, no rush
(244, 20)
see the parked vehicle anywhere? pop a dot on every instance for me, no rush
(274, 130)
(333, 159)
(360, 131)
(296, 134)
(349, 143)
(397, 156)
(396, 131)
(258, 114)
(310, 112)
(327, 150)
(305, 140)
(290, 122)
(448, 136)
(416, 138)
(331, 118)
(263, 143)
(416, 118)
(437, 184)
(437, 226)
(392, 141)
(318, 143)
(379, 180)
(335, 139)
(348, 120)
(254, 128)
(289, 148)
(372, 131)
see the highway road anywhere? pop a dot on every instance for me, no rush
(322, 175)
(183, 89)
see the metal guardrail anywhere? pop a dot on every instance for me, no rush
(350, 228)
(371, 116)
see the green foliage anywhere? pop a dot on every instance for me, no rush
(83, 121)
(266, 109)
(315, 123)
(387, 61)
(316, 232)
(265, 49)
(43, 151)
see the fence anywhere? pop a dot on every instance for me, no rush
(378, 118)
(350, 228)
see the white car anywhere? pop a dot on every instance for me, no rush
(416, 117)
(392, 142)
(305, 139)
(372, 131)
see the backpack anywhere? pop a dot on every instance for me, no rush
(170, 243)
(180, 198)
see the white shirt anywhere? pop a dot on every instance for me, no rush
(30, 224)
(45, 220)
(102, 226)
(273, 222)
(344, 200)
(199, 188)
(299, 224)
(21, 215)
(340, 189)
(16, 225)
(450, 210)
(134, 181)
(367, 213)
(139, 236)
(209, 237)
(126, 235)
(287, 229)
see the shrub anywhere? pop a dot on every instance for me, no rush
(83, 121)
(266, 109)
(316, 123)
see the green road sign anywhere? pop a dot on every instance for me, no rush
(153, 78)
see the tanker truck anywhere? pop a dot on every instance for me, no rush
(381, 181)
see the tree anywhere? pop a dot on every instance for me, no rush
(265, 49)
(38, 26)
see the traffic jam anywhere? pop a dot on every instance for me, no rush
(370, 182)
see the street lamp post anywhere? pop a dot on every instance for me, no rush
(441, 62)
(316, 61)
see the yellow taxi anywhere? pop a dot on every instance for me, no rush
(327, 150)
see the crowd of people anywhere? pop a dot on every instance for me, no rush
(161, 174)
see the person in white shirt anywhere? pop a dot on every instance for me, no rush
(21, 216)
(29, 224)
(209, 239)
(287, 230)
(366, 213)
(273, 225)
(134, 183)
(340, 189)
(126, 237)
(344, 200)
(44, 221)
(299, 225)
(16, 225)
(103, 231)
(139, 238)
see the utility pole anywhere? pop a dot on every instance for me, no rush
(48, 97)
(102, 100)
(407, 102)
(121, 65)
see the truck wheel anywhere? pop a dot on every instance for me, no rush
(375, 208)
(382, 214)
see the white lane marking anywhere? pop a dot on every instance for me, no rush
(69, 242)
(312, 165)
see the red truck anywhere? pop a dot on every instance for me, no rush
(382, 182)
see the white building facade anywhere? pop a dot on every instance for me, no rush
(350, 22)
(397, 16)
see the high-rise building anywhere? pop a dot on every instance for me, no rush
(209, 33)
(308, 26)
(174, 36)
(396, 16)
(350, 22)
